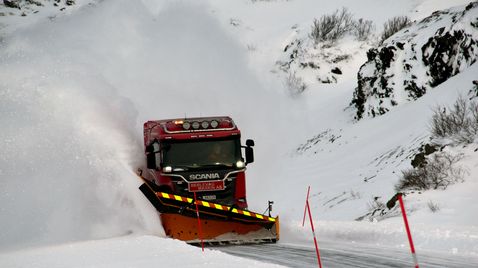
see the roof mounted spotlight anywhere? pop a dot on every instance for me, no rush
(195, 125)
(186, 125)
(214, 124)
(205, 124)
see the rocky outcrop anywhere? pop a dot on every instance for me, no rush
(416, 59)
(11, 3)
(26, 7)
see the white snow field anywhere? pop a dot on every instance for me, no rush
(77, 85)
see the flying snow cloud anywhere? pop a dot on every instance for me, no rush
(74, 94)
(68, 145)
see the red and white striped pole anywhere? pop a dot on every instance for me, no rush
(199, 222)
(409, 234)
(307, 209)
(315, 237)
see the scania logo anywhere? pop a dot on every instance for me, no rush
(209, 176)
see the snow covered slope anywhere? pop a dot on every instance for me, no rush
(416, 59)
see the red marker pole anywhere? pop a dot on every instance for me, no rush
(199, 222)
(409, 234)
(305, 207)
(315, 237)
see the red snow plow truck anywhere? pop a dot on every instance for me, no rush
(196, 168)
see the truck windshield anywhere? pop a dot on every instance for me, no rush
(200, 153)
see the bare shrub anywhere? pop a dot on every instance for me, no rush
(251, 48)
(394, 25)
(376, 208)
(332, 27)
(295, 84)
(434, 207)
(438, 173)
(377, 211)
(363, 29)
(458, 123)
(375, 205)
(355, 195)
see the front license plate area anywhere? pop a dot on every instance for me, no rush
(203, 186)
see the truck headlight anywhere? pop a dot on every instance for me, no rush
(167, 169)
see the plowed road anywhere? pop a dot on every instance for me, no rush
(350, 255)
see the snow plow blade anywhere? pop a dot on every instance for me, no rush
(220, 225)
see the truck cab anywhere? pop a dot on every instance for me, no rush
(198, 155)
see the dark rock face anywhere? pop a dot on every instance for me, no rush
(336, 70)
(12, 3)
(474, 91)
(375, 83)
(28, 7)
(446, 53)
(420, 158)
(386, 56)
(411, 63)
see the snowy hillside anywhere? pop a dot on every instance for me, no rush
(417, 59)
(78, 81)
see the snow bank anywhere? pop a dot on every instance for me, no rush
(439, 237)
(128, 251)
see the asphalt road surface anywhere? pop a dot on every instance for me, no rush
(349, 255)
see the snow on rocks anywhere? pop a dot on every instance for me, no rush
(321, 62)
(417, 59)
(15, 14)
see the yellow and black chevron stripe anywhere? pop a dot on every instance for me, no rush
(215, 206)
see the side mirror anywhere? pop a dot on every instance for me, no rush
(249, 143)
(150, 148)
(153, 147)
(151, 160)
(151, 151)
(249, 151)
